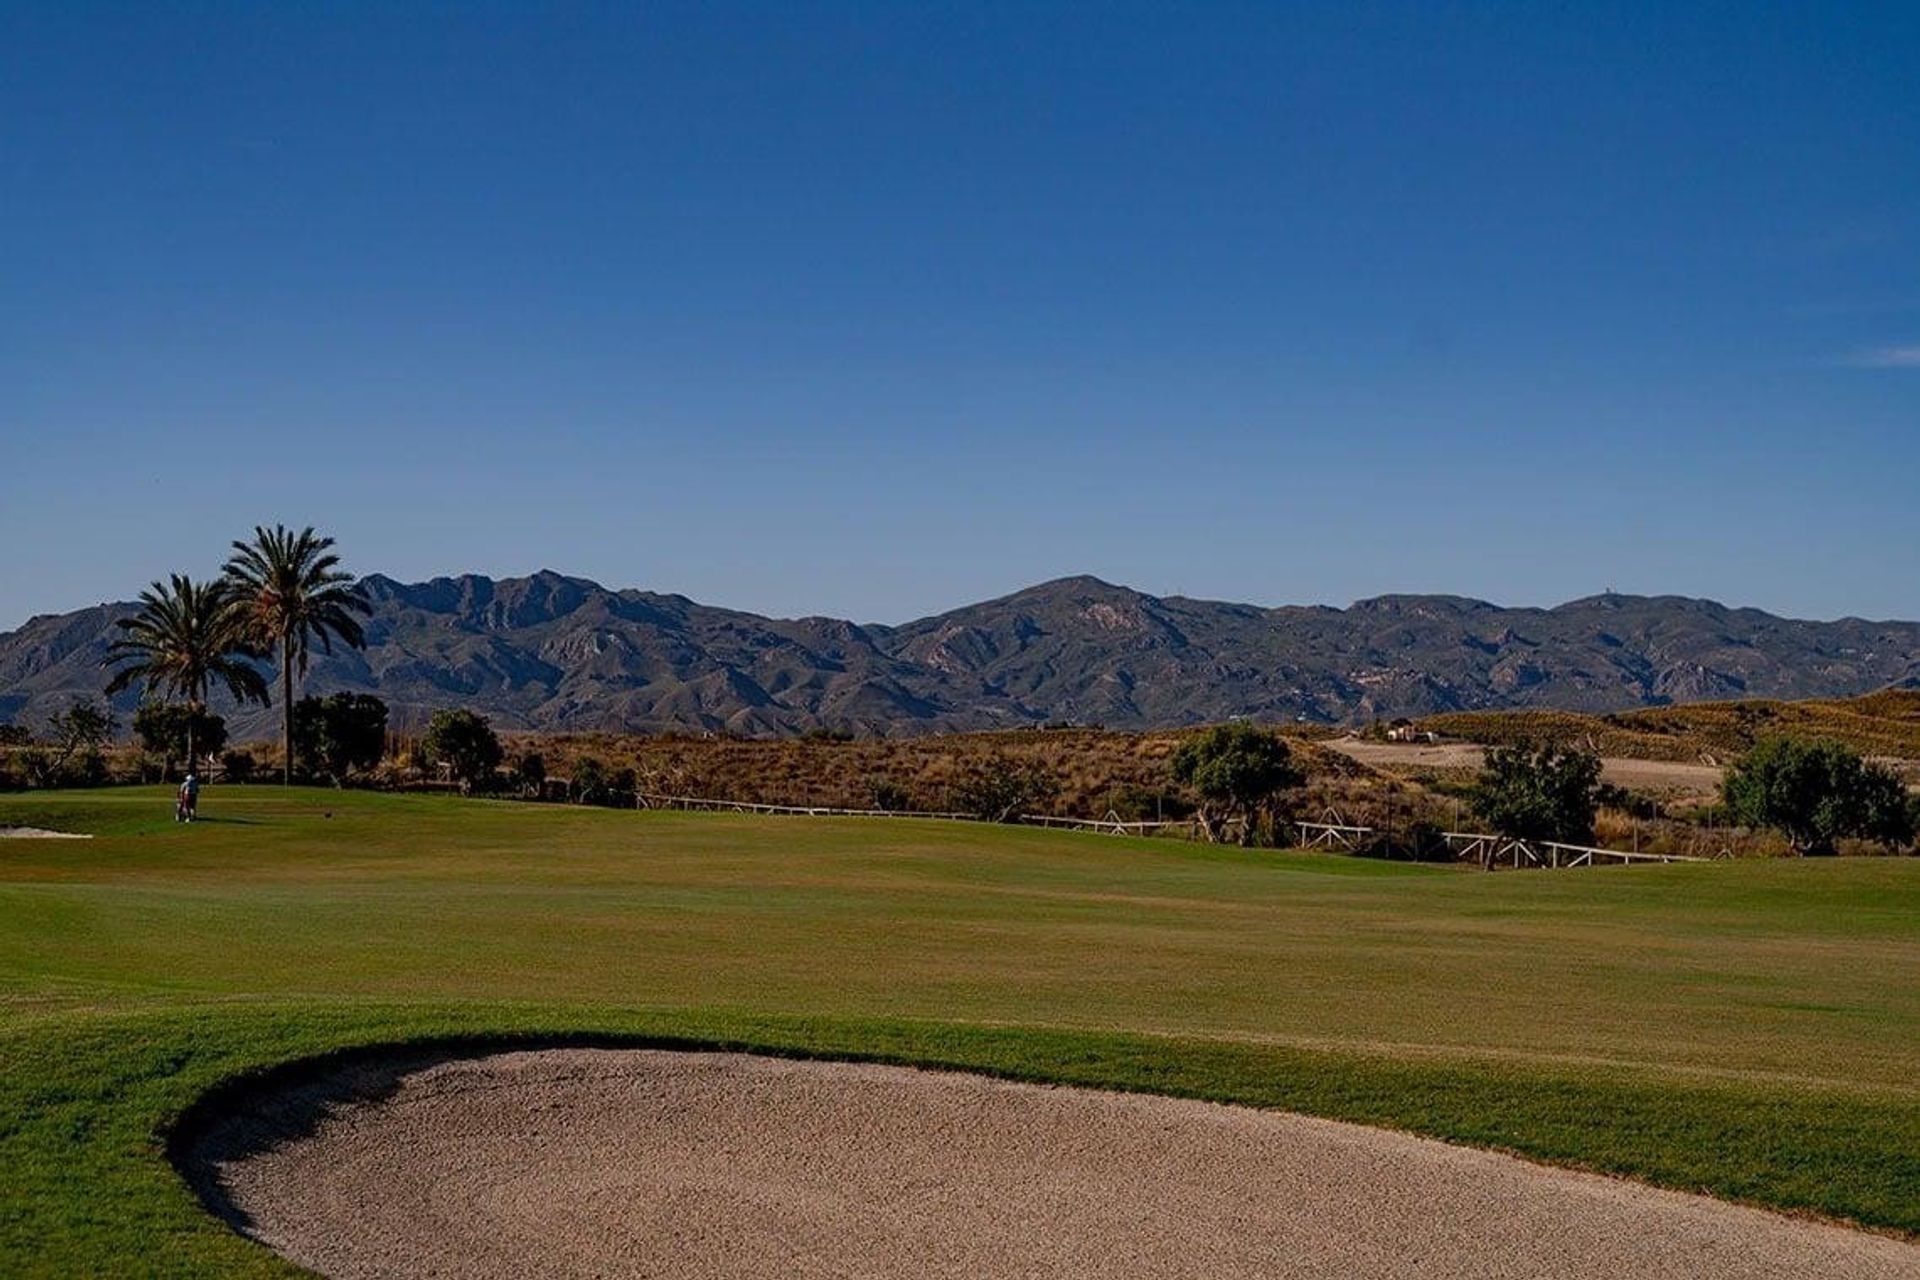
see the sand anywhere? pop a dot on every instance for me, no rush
(1623, 771)
(39, 833)
(619, 1162)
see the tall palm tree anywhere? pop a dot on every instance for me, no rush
(292, 590)
(187, 636)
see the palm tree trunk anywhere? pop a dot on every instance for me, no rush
(190, 719)
(286, 711)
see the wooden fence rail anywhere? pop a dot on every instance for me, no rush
(1486, 848)
(648, 800)
(1332, 835)
(1112, 824)
(1491, 850)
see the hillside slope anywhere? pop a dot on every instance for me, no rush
(1879, 724)
(553, 652)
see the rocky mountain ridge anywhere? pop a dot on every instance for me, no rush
(553, 652)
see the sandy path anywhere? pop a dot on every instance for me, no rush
(584, 1162)
(1637, 775)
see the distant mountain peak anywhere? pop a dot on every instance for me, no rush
(1400, 602)
(550, 650)
(1074, 585)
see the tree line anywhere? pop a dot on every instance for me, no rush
(278, 594)
(1814, 792)
(1234, 782)
(282, 593)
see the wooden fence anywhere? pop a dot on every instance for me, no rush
(1332, 835)
(1485, 848)
(1112, 824)
(1491, 851)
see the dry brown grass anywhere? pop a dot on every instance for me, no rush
(1092, 771)
(1879, 724)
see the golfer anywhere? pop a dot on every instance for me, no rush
(188, 804)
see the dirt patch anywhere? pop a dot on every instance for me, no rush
(626, 1162)
(1635, 775)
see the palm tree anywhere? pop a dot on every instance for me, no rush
(186, 636)
(292, 591)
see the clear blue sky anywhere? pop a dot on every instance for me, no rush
(871, 310)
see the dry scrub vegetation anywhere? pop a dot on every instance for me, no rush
(1092, 772)
(1100, 774)
(1880, 724)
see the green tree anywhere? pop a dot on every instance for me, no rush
(530, 774)
(1816, 792)
(335, 735)
(1543, 792)
(293, 592)
(1238, 771)
(465, 743)
(1001, 788)
(588, 780)
(187, 637)
(173, 731)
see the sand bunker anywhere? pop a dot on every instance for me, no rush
(39, 833)
(597, 1162)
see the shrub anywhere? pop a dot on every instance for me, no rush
(1135, 803)
(88, 769)
(1001, 789)
(1424, 842)
(335, 736)
(37, 767)
(589, 782)
(890, 795)
(238, 766)
(465, 744)
(1631, 803)
(1816, 793)
(530, 773)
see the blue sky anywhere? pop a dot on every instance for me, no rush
(872, 310)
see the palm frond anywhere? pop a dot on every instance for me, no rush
(179, 640)
(293, 592)
(245, 683)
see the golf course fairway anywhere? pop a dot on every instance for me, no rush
(1747, 1029)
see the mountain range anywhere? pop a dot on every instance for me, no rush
(552, 652)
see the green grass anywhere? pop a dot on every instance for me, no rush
(1750, 1029)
